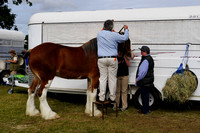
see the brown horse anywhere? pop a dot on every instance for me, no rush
(48, 60)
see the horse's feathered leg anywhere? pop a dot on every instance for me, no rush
(46, 111)
(30, 105)
(87, 106)
(91, 97)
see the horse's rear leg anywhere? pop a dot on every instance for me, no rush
(30, 105)
(46, 111)
(91, 97)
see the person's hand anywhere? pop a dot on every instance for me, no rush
(132, 56)
(125, 27)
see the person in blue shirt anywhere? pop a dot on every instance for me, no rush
(145, 77)
(107, 42)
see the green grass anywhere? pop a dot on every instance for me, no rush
(73, 119)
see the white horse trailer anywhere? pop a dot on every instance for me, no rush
(10, 39)
(165, 30)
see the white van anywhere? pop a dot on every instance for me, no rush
(165, 30)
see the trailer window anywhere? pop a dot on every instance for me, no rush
(17, 43)
(5, 42)
(1, 42)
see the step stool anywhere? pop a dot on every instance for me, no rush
(104, 105)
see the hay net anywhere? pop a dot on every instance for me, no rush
(182, 83)
(180, 87)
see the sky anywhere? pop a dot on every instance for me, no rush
(24, 12)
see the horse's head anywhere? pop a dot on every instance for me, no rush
(125, 48)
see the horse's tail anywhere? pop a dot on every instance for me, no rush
(27, 54)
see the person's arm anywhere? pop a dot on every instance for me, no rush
(13, 61)
(127, 61)
(132, 56)
(121, 38)
(143, 69)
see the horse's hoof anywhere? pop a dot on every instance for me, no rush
(57, 116)
(87, 111)
(52, 116)
(97, 113)
(33, 113)
(38, 114)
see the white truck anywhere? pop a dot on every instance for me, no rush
(165, 30)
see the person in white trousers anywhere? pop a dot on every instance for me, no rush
(107, 42)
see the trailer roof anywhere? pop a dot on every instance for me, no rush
(11, 35)
(188, 12)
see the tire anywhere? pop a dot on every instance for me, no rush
(154, 99)
(5, 73)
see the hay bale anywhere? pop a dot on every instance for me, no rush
(180, 87)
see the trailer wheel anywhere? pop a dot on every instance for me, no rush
(154, 99)
(3, 74)
(6, 74)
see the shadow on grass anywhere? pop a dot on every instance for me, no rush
(81, 99)
(72, 98)
(62, 97)
(188, 105)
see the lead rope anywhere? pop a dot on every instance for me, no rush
(185, 58)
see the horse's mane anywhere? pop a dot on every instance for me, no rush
(90, 46)
(125, 48)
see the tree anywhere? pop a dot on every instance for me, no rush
(26, 42)
(7, 19)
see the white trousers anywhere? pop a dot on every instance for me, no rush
(108, 72)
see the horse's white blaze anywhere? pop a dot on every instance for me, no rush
(30, 105)
(91, 97)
